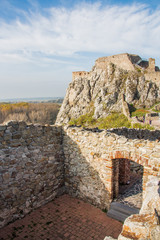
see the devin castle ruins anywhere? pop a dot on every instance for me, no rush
(127, 62)
(102, 89)
(39, 163)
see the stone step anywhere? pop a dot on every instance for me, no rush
(124, 208)
(117, 215)
(120, 211)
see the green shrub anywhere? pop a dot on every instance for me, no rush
(83, 120)
(73, 121)
(114, 120)
(142, 126)
(139, 113)
(139, 70)
(157, 111)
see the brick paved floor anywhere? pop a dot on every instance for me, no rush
(65, 218)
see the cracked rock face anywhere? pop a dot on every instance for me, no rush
(101, 91)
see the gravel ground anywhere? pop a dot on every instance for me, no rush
(132, 196)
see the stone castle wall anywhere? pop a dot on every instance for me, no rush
(151, 64)
(125, 61)
(153, 77)
(90, 158)
(79, 74)
(31, 168)
(121, 60)
(85, 167)
(132, 133)
(39, 162)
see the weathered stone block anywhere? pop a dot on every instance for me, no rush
(2, 127)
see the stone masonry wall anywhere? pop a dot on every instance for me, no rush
(31, 168)
(90, 156)
(39, 162)
(79, 73)
(124, 61)
(153, 76)
(85, 167)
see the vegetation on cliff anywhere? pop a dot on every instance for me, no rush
(114, 120)
(111, 79)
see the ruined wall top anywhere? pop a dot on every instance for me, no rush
(79, 73)
(123, 61)
(151, 66)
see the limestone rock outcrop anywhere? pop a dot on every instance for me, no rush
(102, 89)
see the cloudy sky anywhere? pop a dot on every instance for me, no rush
(43, 41)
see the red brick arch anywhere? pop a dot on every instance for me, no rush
(128, 155)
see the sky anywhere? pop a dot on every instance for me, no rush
(43, 41)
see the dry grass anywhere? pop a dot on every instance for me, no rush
(43, 113)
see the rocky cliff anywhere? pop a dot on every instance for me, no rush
(111, 80)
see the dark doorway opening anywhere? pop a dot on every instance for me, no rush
(127, 182)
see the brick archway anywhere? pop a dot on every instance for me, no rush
(113, 182)
(97, 149)
(125, 174)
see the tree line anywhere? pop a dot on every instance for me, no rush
(43, 113)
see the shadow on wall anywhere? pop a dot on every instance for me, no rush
(84, 177)
(137, 133)
(130, 133)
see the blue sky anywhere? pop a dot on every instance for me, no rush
(43, 41)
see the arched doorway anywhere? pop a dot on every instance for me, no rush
(127, 182)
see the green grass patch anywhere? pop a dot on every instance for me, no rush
(142, 126)
(157, 111)
(114, 120)
(139, 112)
(83, 120)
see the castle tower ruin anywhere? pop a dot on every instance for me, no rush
(151, 64)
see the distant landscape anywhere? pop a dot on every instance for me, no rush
(36, 110)
(38, 99)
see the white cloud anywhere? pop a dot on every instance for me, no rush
(39, 51)
(90, 28)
